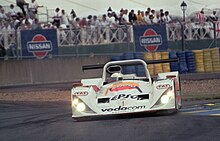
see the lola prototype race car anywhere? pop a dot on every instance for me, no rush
(119, 93)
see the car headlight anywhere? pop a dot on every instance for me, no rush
(75, 101)
(164, 99)
(80, 106)
(169, 93)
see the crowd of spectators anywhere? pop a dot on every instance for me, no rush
(26, 18)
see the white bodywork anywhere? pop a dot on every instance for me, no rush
(125, 93)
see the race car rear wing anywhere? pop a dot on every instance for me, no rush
(101, 66)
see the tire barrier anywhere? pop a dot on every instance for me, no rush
(173, 65)
(157, 67)
(207, 60)
(140, 71)
(128, 69)
(116, 58)
(149, 56)
(215, 59)
(165, 66)
(190, 61)
(199, 59)
(182, 62)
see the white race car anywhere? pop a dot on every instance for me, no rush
(118, 93)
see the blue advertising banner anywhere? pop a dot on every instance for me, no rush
(150, 38)
(39, 43)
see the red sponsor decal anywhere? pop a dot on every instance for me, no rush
(81, 93)
(165, 86)
(122, 88)
(95, 88)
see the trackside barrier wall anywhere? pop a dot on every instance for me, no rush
(207, 60)
(199, 59)
(149, 56)
(215, 59)
(190, 61)
(32, 71)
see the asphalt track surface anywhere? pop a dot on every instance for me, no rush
(197, 121)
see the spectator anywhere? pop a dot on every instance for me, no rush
(64, 18)
(157, 18)
(109, 10)
(57, 17)
(27, 19)
(104, 21)
(72, 15)
(167, 17)
(201, 17)
(33, 7)
(21, 4)
(153, 12)
(132, 17)
(149, 10)
(140, 18)
(83, 23)
(14, 20)
(146, 17)
(36, 25)
(94, 22)
(11, 10)
(3, 15)
(123, 17)
(213, 16)
(115, 16)
(152, 19)
(161, 18)
(111, 20)
(161, 11)
(89, 18)
(75, 23)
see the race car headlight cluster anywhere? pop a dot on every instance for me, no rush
(165, 98)
(75, 101)
(80, 106)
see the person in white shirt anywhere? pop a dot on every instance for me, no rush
(3, 15)
(146, 17)
(11, 10)
(167, 17)
(33, 7)
(57, 17)
(64, 18)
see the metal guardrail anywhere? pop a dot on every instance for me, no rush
(94, 35)
(193, 31)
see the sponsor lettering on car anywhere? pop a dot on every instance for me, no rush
(123, 108)
(164, 86)
(125, 96)
(81, 93)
